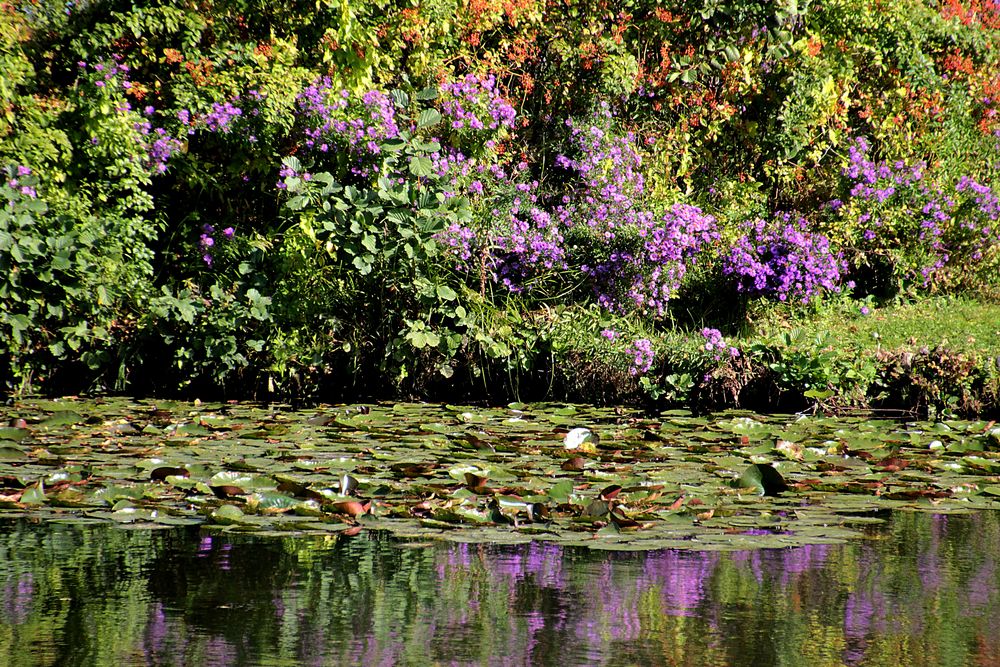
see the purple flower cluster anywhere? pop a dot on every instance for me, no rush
(717, 345)
(459, 242)
(605, 200)
(647, 277)
(104, 74)
(531, 247)
(335, 119)
(111, 79)
(17, 181)
(521, 240)
(783, 259)
(288, 171)
(670, 244)
(893, 210)
(221, 117)
(599, 226)
(877, 180)
(607, 172)
(642, 356)
(160, 146)
(474, 103)
(207, 241)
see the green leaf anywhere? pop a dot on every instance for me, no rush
(764, 478)
(427, 146)
(446, 293)
(228, 514)
(560, 492)
(421, 166)
(34, 494)
(393, 146)
(428, 117)
(417, 339)
(427, 94)
(400, 98)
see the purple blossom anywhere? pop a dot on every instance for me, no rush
(642, 356)
(221, 117)
(781, 258)
(717, 345)
(474, 103)
(921, 226)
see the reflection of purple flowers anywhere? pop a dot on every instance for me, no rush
(366, 601)
(17, 599)
(682, 577)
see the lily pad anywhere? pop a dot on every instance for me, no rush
(763, 478)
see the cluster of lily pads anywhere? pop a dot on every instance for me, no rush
(602, 478)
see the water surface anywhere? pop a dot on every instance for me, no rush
(919, 589)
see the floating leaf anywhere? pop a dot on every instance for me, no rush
(34, 495)
(228, 515)
(763, 478)
(14, 433)
(561, 491)
(272, 501)
(11, 453)
(62, 418)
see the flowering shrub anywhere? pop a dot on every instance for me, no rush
(54, 282)
(334, 120)
(781, 258)
(928, 232)
(642, 356)
(570, 157)
(717, 346)
(469, 101)
(601, 233)
(115, 137)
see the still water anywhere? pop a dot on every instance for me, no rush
(919, 589)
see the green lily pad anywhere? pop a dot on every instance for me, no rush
(763, 478)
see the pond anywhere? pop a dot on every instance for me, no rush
(162, 533)
(919, 589)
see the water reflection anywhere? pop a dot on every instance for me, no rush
(921, 590)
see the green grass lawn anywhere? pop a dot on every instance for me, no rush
(959, 324)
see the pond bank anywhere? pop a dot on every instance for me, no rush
(933, 358)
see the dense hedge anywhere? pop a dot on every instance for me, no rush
(325, 197)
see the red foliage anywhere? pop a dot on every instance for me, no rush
(983, 12)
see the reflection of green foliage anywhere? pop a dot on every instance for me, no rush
(109, 597)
